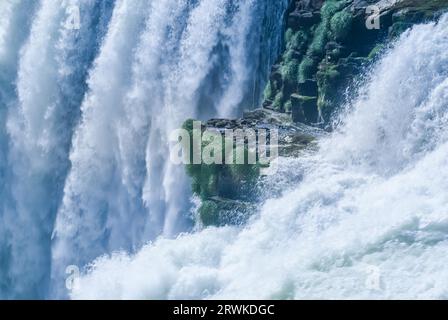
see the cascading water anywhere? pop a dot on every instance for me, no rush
(368, 219)
(85, 116)
(39, 125)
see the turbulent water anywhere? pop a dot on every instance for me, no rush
(369, 219)
(85, 115)
(89, 92)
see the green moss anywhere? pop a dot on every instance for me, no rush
(295, 49)
(295, 46)
(307, 69)
(398, 28)
(376, 51)
(330, 8)
(330, 50)
(327, 72)
(205, 178)
(333, 23)
(233, 182)
(278, 101)
(299, 40)
(341, 25)
(319, 40)
(328, 80)
(321, 33)
(305, 49)
(289, 71)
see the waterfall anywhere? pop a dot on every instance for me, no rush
(12, 15)
(367, 220)
(85, 114)
(51, 69)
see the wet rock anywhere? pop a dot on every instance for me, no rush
(308, 88)
(298, 19)
(304, 108)
(229, 192)
(328, 43)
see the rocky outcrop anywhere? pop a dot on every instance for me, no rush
(229, 192)
(328, 44)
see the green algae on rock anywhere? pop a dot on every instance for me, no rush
(328, 43)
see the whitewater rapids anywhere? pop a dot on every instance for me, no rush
(89, 92)
(368, 220)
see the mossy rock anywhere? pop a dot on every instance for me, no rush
(329, 80)
(341, 25)
(307, 69)
(398, 28)
(376, 51)
(317, 46)
(328, 42)
(278, 102)
(299, 40)
(289, 72)
(227, 180)
(333, 79)
(335, 51)
(234, 181)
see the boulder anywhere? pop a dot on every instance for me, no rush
(228, 192)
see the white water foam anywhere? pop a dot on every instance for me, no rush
(85, 116)
(368, 220)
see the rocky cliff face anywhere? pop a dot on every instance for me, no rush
(328, 43)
